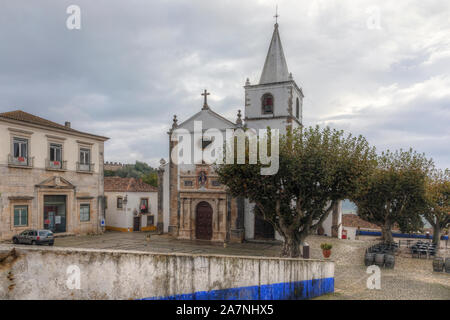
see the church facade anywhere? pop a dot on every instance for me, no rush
(194, 204)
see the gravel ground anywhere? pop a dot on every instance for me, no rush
(411, 279)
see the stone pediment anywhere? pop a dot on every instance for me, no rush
(209, 119)
(56, 183)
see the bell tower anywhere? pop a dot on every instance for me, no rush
(276, 101)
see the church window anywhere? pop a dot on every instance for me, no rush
(216, 183)
(297, 109)
(206, 142)
(267, 104)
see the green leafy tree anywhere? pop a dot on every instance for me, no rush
(317, 168)
(140, 170)
(437, 211)
(151, 179)
(395, 192)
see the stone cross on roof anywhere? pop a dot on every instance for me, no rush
(205, 102)
(276, 15)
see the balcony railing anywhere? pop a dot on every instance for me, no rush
(55, 165)
(26, 162)
(85, 167)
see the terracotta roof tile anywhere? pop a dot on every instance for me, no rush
(23, 116)
(118, 184)
(352, 220)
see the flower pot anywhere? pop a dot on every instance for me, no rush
(326, 253)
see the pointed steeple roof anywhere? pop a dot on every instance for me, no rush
(275, 67)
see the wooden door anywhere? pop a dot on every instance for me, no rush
(136, 223)
(203, 221)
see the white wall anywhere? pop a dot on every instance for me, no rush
(123, 218)
(281, 94)
(114, 274)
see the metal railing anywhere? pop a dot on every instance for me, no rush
(55, 165)
(85, 167)
(20, 161)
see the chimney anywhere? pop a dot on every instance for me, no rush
(67, 124)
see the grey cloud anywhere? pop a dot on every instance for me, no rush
(136, 63)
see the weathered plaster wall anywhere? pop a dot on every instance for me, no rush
(41, 273)
(122, 219)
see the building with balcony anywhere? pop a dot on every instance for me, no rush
(51, 176)
(131, 205)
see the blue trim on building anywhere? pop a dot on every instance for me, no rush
(279, 291)
(397, 235)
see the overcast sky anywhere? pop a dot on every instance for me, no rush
(376, 68)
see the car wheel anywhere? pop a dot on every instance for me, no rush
(33, 243)
(15, 240)
(50, 243)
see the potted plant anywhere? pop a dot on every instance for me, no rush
(326, 249)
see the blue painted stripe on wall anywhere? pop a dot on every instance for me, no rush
(279, 291)
(397, 235)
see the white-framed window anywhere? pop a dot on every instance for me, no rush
(20, 216)
(85, 156)
(85, 212)
(119, 202)
(20, 148)
(55, 152)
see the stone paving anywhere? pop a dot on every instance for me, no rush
(164, 243)
(410, 279)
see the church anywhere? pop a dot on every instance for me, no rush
(194, 205)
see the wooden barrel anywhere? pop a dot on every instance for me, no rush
(369, 258)
(447, 265)
(438, 264)
(389, 261)
(379, 259)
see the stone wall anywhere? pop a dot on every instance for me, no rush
(47, 273)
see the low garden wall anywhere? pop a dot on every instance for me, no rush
(66, 273)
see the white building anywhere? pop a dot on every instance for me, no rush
(131, 205)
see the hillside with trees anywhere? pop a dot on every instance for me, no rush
(139, 170)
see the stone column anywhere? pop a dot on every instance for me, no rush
(160, 224)
(216, 216)
(189, 216)
(182, 219)
(173, 183)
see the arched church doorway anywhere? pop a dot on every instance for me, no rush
(203, 221)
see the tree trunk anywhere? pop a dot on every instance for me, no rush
(291, 247)
(386, 232)
(437, 235)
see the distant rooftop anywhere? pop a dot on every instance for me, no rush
(118, 184)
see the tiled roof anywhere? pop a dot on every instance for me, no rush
(23, 116)
(118, 184)
(352, 220)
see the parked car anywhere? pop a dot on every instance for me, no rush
(33, 236)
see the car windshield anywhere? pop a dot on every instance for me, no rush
(45, 233)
